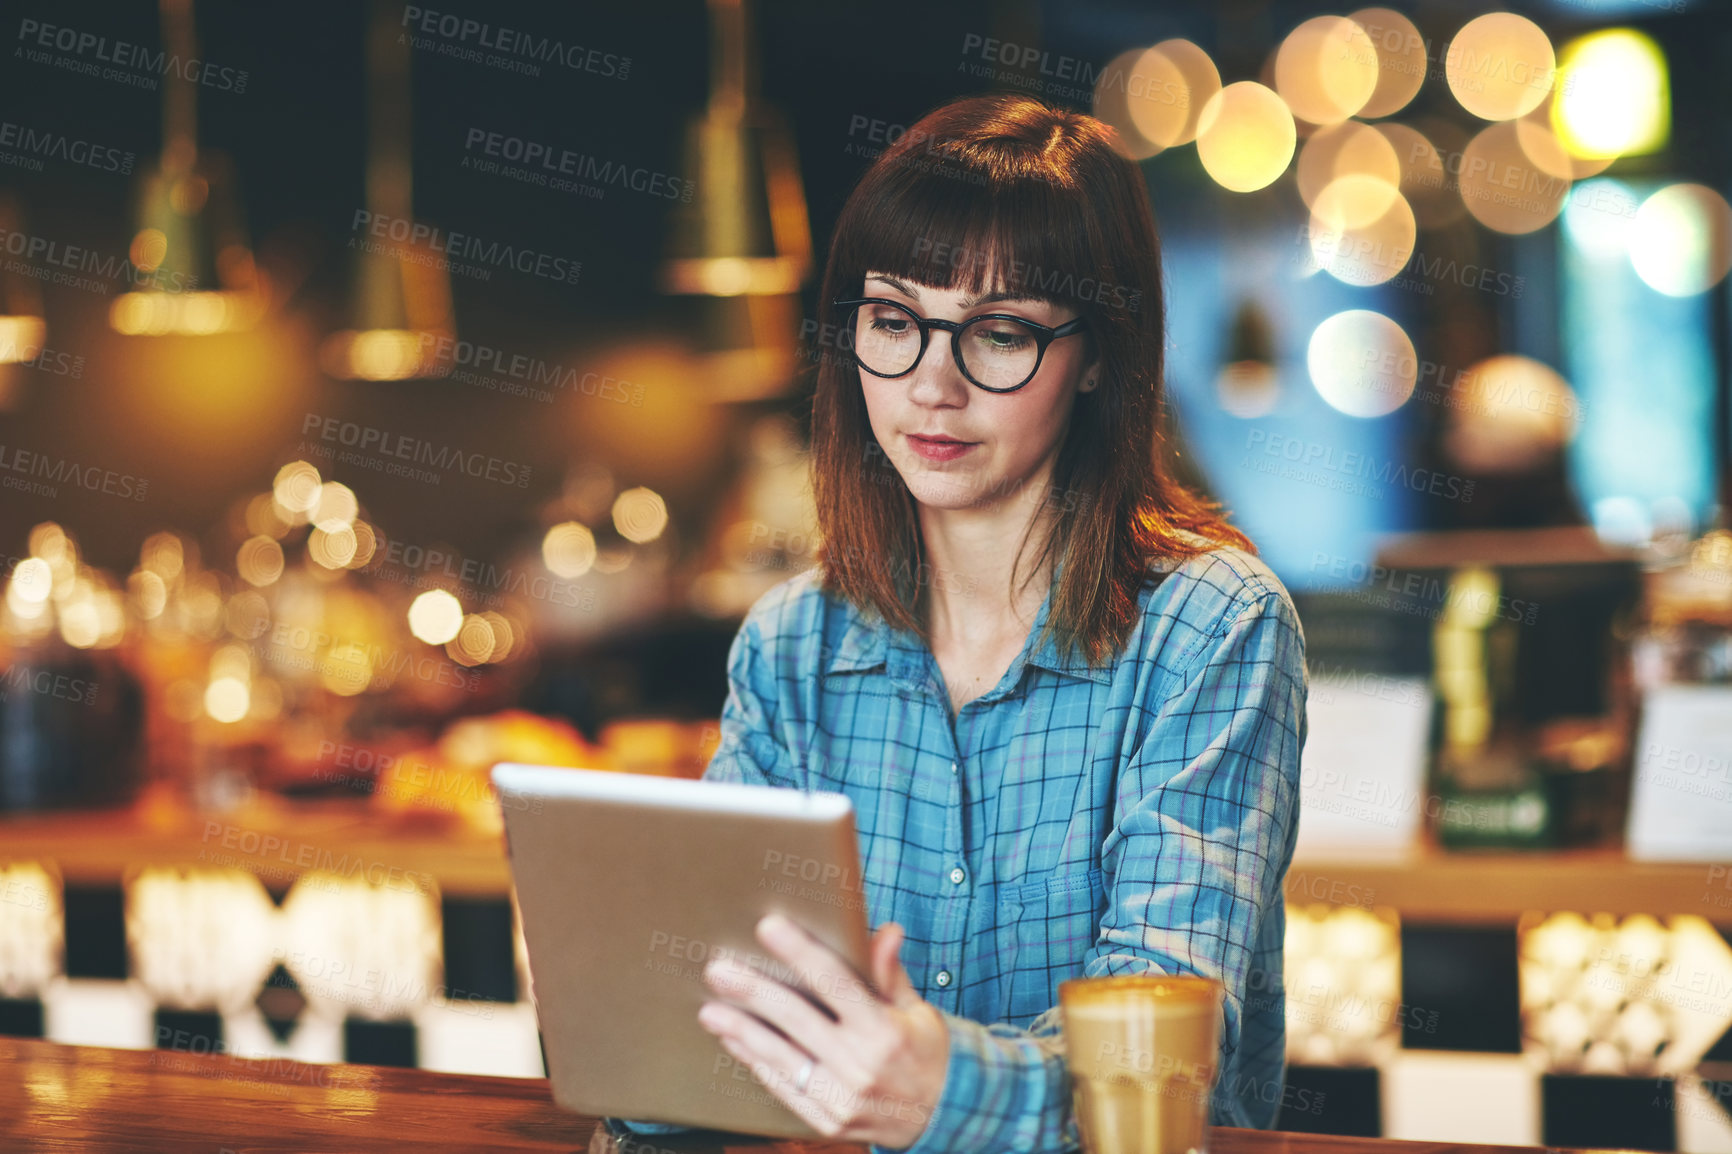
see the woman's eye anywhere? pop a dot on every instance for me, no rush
(1003, 338)
(895, 326)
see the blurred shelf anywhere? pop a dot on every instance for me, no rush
(277, 842)
(1497, 887)
(280, 840)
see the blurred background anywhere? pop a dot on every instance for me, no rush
(387, 391)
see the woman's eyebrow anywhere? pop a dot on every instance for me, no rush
(968, 302)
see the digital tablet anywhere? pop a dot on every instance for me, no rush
(627, 885)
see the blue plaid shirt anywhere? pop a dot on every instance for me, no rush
(1072, 821)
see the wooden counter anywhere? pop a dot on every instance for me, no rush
(71, 1098)
(278, 840)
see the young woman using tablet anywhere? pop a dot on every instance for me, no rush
(1065, 698)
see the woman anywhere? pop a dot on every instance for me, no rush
(1066, 700)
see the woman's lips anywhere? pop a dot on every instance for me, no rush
(934, 449)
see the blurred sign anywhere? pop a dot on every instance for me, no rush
(1362, 774)
(1681, 799)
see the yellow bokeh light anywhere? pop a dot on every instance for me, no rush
(163, 554)
(1362, 230)
(149, 247)
(1500, 66)
(474, 642)
(1614, 95)
(640, 515)
(32, 580)
(337, 502)
(366, 542)
(1169, 85)
(435, 617)
(296, 488)
(1681, 240)
(81, 622)
(232, 661)
(1342, 150)
(1362, 363)
(1326, 69)
(1546, 149)
(332, 544)
(1111, 104)
(504, 636)
(346, 670)
(568, 550)
(227, 699)
(1245, 136)
(149, 593)
(259, 560)
(21, 338)
(1511, 413)
(1401, 59)
(1503, 189)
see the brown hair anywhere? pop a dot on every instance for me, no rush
(1006, 187)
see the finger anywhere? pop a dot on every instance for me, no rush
(773, 1060)
(822, 971)
(888, 973)
(785, 1009)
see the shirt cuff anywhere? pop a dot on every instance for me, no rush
(1003, 1091)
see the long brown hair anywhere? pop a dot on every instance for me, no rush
(1004, 189)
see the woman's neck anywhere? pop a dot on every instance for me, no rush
(969, 593)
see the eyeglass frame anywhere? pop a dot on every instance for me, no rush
(1044, 335)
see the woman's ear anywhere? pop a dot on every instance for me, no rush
(1091, 377)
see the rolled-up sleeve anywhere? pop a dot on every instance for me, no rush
(1201, 838)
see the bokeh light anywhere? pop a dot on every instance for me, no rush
(1512, 413)
(1362, 363)
(640, 515)
(259, 561)
(1362, 230)
(1401, 59)
(227, 699)
(337, 502)
(1326, 69)
(568, 549)
(1500, 66)
(1112, 104)
(332, 544)
(1681, 239)
(1614, 95)
(1346, 149)
(296, 488)
(1503, 189)
(435, 616)
(1245, 136)
(1170, 84)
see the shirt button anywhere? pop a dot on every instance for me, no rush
(953, 767)
(942, 978)
(956, 875)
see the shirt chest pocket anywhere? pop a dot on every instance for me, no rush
(1057, 919)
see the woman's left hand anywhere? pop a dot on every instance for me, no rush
(871, 1070)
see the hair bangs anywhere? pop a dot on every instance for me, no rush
(978, 227)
